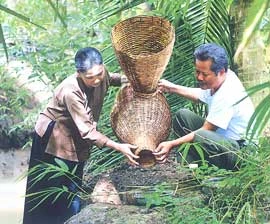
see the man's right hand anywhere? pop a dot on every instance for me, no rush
(165, 86)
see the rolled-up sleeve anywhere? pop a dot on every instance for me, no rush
(83, 118)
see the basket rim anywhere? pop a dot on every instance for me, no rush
(143, 16)
(136, 56)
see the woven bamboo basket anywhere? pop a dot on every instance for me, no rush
(143, 120)
(143, 46)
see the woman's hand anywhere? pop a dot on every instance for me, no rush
(162, 151)
(126, 149)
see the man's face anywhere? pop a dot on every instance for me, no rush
(94, 76)
(206, 78)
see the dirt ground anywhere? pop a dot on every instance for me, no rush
(13, 162)
(124, 190)
(131, 182)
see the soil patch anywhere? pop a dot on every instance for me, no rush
(133, 182)
(132, 185)
(13, 162)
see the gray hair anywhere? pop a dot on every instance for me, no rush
(215, 53)
(86, 58)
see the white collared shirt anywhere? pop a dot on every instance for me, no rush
(225, 111)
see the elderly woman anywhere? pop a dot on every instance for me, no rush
(65, 132)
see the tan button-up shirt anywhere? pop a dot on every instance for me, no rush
(75, 109)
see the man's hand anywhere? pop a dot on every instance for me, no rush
(162, 151)
(165, 86)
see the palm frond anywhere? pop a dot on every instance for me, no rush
(254, 89)
(111, 8)
(57, 13)
(52, 192)
(255, 14)
(197, 22)
(20, 16)
(261, 116)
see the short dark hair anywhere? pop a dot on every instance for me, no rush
(86, 58)
(215, 53)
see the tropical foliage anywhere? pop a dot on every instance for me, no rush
(47, 35)
(50, 47)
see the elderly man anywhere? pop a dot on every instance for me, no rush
(64, 133)
(221, 132)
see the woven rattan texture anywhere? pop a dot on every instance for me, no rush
(141, 119)
(143, 46)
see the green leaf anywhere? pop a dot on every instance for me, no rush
(185, 149)
(64, 188)
(200, 151)
(254, 17)
(74, 170)
(57, 13)
(61, 164)
(20, 16)
(259, 119)
(57, 196)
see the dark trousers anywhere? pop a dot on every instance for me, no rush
(218, 150)
(50, 211)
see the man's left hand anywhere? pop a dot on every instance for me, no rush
(162, 151)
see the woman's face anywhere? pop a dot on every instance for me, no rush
(94, 76)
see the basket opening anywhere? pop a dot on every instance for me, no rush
(147, 159)
(135, 44)
(143, 46)
(142, 35)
